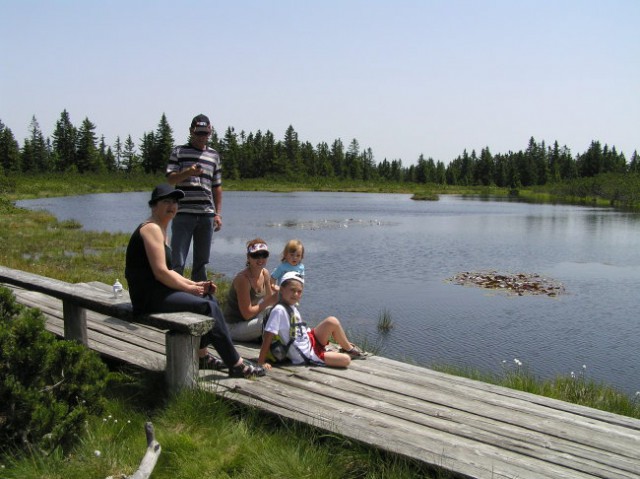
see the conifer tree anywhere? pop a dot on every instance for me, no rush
(337, 158)
(353, 161)
(35, 154)
(130, 161)
(634, 163)
(369, 171)
(163, 146)
(147, 151)
(88, 158)
(9, 151)
(325, 168)
(65, 139)
(230, 151)
(309, 159)
(268, 154)
(117, 154)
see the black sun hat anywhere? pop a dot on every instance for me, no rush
(163, 191)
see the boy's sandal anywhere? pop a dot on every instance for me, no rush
(209, 361)
(246, 370)
(355, 352)
(330, 348)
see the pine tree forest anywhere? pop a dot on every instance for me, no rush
(259, 155)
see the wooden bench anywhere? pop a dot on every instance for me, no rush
(183, 330)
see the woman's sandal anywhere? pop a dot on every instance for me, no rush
(209, 361)
(247, 370)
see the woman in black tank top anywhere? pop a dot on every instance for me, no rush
(154, 287)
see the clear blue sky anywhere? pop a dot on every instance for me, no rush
(403, 77)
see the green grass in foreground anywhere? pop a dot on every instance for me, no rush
(202, 435)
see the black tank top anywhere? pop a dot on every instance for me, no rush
(142, 283)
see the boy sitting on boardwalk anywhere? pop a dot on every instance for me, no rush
(301, 344)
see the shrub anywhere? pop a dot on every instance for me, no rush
(48, 387)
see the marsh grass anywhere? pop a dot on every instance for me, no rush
(575, 388)
(385, 321)
(203, 435)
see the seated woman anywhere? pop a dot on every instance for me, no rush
(155, 288)
(250, 294)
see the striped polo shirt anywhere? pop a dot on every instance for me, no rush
(198, 198)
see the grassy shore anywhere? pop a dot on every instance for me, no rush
(201, 435)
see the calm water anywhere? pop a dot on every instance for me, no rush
(366, 253)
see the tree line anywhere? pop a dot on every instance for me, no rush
(259, 155)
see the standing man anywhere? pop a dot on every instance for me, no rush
(195, 169)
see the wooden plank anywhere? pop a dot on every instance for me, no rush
(153, 338)
(139, 349)
(86, 296)
(494, 430)
(395, 368)
(450, 451)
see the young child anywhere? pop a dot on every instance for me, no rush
(290, 260)
(308, 345)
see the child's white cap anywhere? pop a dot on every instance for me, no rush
(292, 275)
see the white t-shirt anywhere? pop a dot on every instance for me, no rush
(278, 323)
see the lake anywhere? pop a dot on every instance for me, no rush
(371, 253)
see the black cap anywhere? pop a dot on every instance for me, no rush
(163, 191)
(201, 124)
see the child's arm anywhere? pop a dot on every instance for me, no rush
(264, 349)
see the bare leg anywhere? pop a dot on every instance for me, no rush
(331, 327)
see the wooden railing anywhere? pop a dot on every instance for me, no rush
(183, 330)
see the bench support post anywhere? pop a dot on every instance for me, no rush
(75, 322)
(182, 360)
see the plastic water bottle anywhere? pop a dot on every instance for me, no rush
(117, 289)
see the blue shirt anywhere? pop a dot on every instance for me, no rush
(285, 267)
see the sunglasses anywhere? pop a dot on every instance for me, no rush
(259, 255)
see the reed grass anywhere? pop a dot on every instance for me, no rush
(385, 321)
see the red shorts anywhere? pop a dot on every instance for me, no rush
(315, 344)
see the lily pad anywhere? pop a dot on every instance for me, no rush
(519, 284)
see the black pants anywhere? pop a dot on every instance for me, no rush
(218, 336)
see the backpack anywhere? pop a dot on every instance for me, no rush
(278, 350)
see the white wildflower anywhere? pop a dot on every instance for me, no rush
(97, 453)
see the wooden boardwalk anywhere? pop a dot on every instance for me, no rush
(469, 427)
